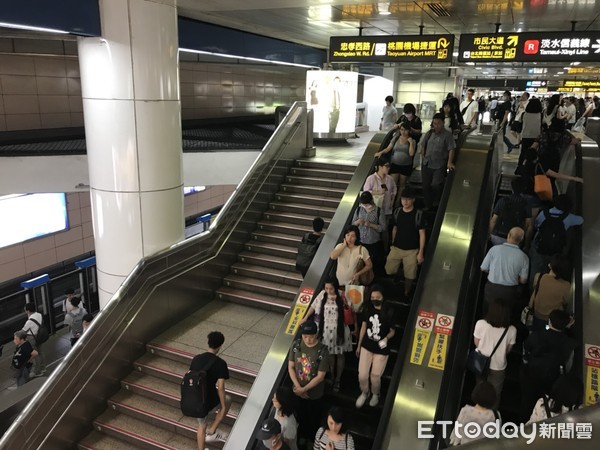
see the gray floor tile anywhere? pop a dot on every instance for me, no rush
(269, 324)
(251, 347)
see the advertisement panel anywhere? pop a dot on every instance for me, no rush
(332, 94)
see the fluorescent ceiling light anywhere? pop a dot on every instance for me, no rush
(559, 73)
(31, 28)
(246, 58)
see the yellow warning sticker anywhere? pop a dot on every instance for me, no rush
(592, 362)
(302, 302)
(419, 346)
(438, 353)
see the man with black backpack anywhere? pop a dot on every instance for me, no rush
(547, 355)
(309, 245)
(552, 235)
(37, 334)
(510, 212)
(74, 320)
(203, 391)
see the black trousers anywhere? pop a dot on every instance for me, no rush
(433, 182)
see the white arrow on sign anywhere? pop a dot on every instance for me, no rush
(596, 46)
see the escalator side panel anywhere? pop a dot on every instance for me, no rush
(419, 386)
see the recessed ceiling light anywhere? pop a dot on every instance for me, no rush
(575, 63)
(559, 73)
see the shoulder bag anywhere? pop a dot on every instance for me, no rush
(478, 363)
(366, 278)
(541, 184)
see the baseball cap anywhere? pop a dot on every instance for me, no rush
(269, 428)
(309, 327)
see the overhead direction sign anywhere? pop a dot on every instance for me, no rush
(530, 47)
(419, 48)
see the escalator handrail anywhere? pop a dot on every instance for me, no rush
(80, 364)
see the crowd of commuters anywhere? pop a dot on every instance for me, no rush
(527, 297)
(29, 356)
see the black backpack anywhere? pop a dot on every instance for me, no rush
(551, 237)
(306, 251)
(513, 214)
(194, 392)
(42, 335)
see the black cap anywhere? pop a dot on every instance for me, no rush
(269, 428)
(309, 327)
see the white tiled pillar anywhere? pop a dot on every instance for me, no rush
(130, 90)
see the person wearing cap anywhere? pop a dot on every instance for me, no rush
(307, 367)
(270, 435)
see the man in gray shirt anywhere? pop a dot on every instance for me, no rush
(437, 155)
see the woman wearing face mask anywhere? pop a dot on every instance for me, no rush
(371, 222)
(410, 118)
(329, 307)
(333, 435)
(347, 254)
(373, 347)
(283, 402)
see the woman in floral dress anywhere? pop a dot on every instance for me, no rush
(328, 308)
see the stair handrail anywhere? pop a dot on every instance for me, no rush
(75, 383)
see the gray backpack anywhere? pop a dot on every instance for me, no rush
(77, 324)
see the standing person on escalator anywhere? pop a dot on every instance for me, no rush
(437, 155)
(333, 435)
(373, 347)
(370, 220)
(348, 255)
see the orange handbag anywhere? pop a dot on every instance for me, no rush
(542, 185)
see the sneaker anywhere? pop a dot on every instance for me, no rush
(360, 401)
(374, 400)
(217, 436)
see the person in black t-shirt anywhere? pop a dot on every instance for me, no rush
(410, 118)
(509, 212)
(408, 240)
(502, 115)
(309, 245)
(373, 349)
(218, 402)
(21, 361)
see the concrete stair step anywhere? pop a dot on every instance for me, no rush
(170, 364)
(137, 434)
(267, 248)
(271, 261)
(291, 218)
(253, 299)
(291, 278)
(273, 237)
(283, 228)
(307, 199)
(163, 416)
(314, 172)
(329, 192)
(298, 208)
(311, 163)
(316, 181)
(260, 286)
(168, 391)
(99, 441)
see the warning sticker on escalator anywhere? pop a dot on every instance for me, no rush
(592, 372)
(423, 327)
(438, 353)
(302, 303)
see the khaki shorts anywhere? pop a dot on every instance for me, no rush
(408, 258)
(210, 417)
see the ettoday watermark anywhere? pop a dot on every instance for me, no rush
(509, 430)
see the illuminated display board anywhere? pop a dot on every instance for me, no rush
(583, 71)
(332, 94)
(420, 48)
(586, 84)
(530, 47)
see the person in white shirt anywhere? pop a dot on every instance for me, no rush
(566, 396)
(487, 334)
(67, 306)
(389, 115)
(469, 108)
(570, 112)
(31, 327)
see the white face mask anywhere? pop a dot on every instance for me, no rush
(269, 442)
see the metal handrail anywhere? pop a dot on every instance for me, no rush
(93, 367)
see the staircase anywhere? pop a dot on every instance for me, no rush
(248, 309)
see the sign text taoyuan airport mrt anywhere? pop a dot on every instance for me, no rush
(419, 48)
(530, 47)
